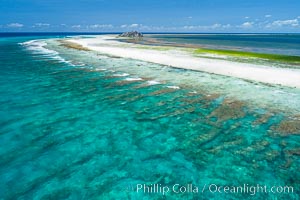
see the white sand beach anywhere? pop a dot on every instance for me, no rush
(183, 59)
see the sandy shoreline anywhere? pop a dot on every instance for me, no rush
(182, 59)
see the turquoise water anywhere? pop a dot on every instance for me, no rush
(77, 125)
(286, 44)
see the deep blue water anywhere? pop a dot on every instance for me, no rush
(287, 44)
(69, 129)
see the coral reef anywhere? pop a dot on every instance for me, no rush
(263, 119)
(289, 127)
(72, 45)
(229, 109)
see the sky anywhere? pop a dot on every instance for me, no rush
(225, 16)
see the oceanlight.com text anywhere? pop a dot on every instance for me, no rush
(211, 188)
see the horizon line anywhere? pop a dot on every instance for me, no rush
(118, 32)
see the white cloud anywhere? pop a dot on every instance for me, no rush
(207, 28)
(137, 26)
(76, 26)
(133, 25)
(41, 25)
(15, 25)
(227, 26)
(247, 25)
(247, 17)
(216, 26)
(190, 17)
(268, 16)
(142, 27)
(290, 22)
(101, 26)
(190, 27)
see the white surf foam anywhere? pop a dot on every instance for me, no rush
(133, 79)
(153, 82)
(121, 75)
(193, 92)
(38, 47)
(173, 87)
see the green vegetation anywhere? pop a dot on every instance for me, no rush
(243, 54)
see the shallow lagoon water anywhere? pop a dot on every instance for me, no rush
(72, 128)
(286, 44)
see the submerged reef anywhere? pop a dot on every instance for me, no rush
(73, 45)
(289, 127)
(229, 109)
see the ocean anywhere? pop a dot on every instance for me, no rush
(81, 125)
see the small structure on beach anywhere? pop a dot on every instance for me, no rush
(132, 34)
